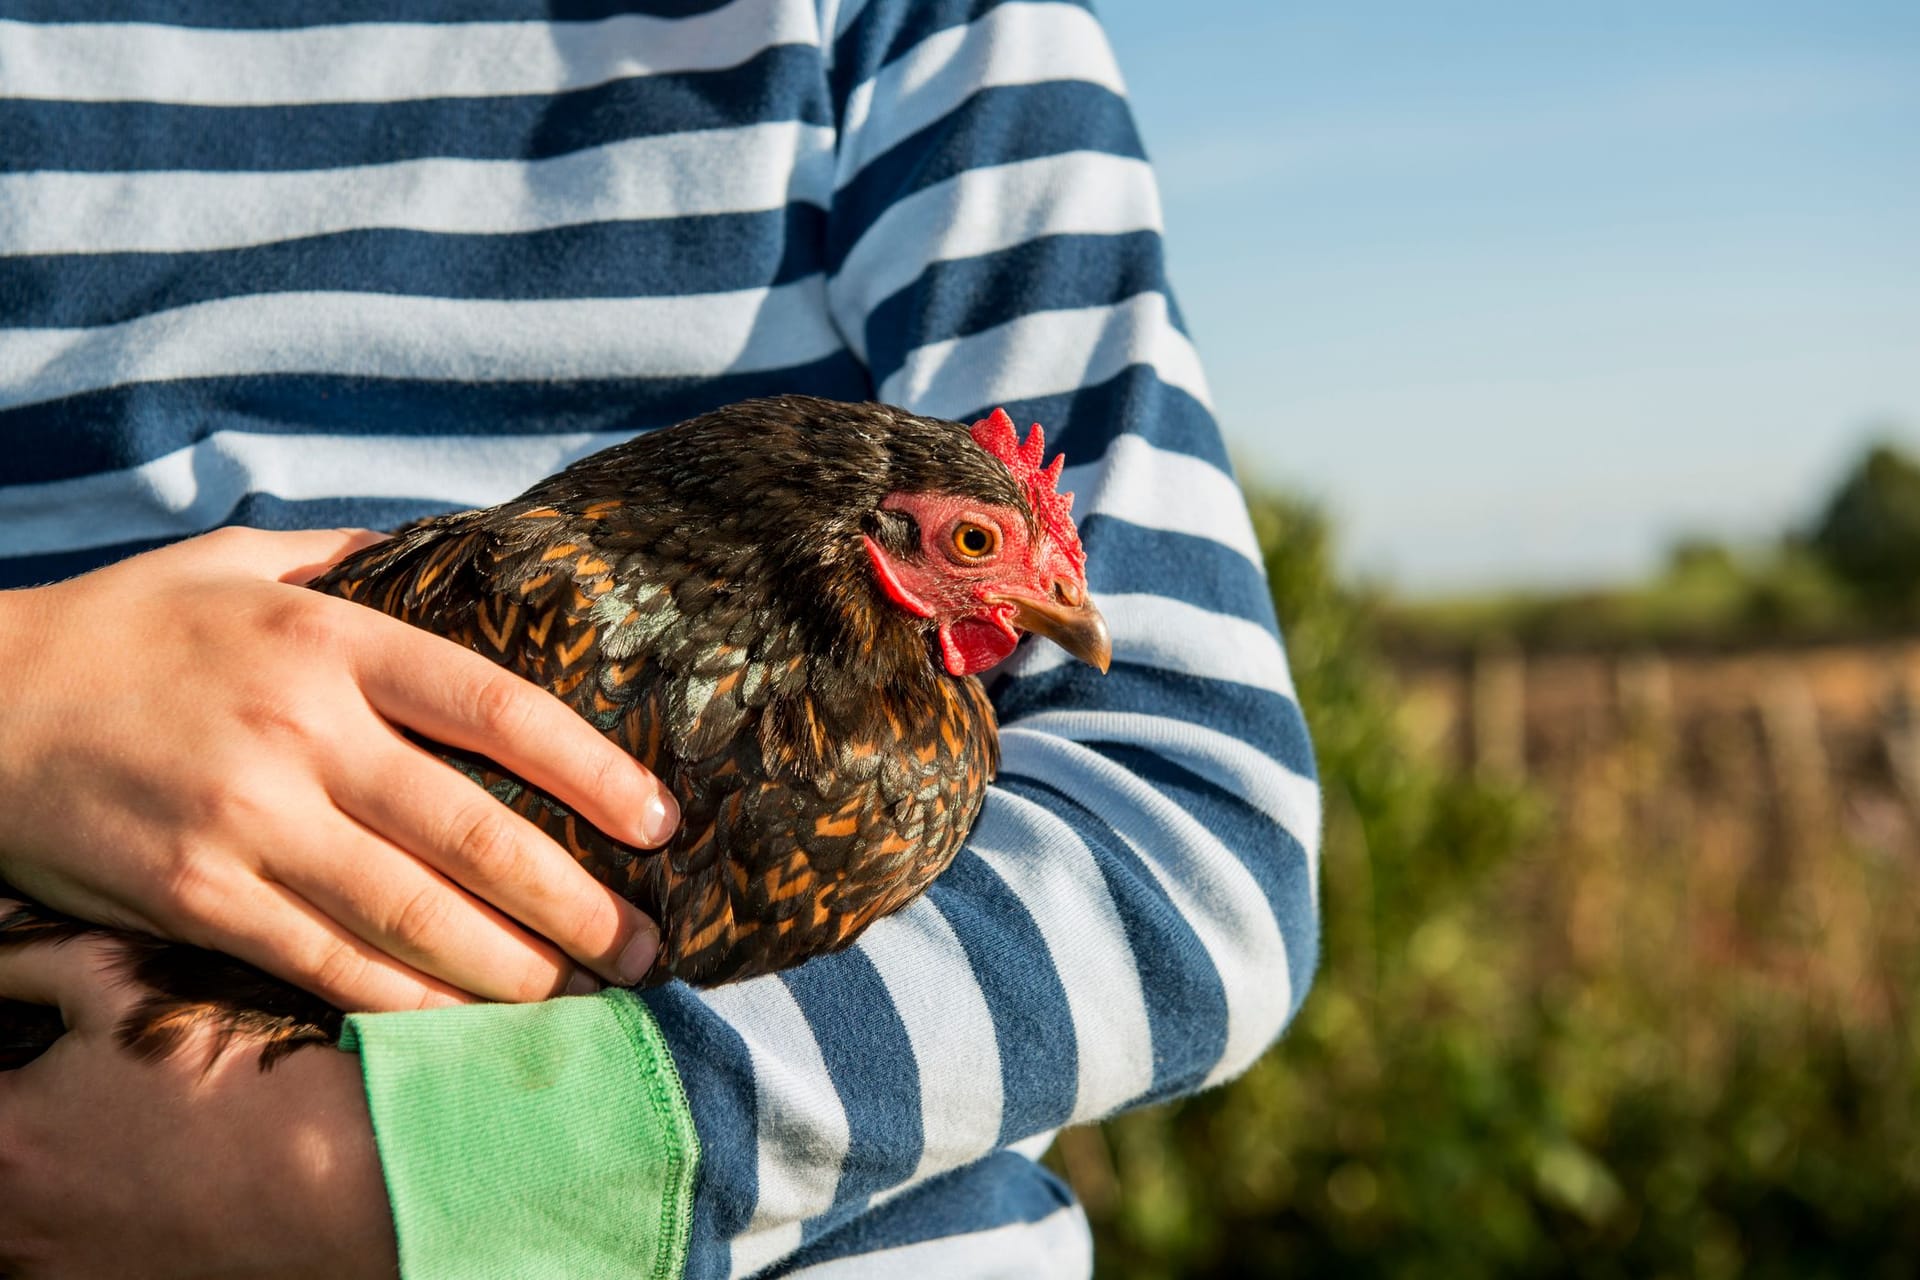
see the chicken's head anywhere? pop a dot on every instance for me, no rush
(980, 571)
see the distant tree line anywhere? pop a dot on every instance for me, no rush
(1852, 570)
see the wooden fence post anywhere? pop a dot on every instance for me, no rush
(1499, 713)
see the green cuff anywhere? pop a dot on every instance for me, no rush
(531, 1141)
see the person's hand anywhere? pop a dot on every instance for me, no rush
(113, 1167)
(193, 746)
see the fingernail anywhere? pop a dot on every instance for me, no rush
(637, 958)
(582, 983)
(658, 818)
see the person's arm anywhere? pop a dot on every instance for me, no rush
(1134, 916)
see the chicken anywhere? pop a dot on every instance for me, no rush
(780, 608)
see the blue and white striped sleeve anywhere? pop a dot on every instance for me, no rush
(1134, 917)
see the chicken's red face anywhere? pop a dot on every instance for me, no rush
(983, 572)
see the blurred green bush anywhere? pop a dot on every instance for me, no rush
(1869, 533)
(1613, 1026)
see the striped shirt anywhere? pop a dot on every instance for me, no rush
(309, 264)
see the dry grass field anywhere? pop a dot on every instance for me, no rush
(1757, 813)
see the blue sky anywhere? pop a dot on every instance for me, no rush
(1523, 291)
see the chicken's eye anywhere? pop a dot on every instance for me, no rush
(974, 541)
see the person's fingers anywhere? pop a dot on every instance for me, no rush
(422, 805)
(455, 696)
(76, 976)
(276, 929)
(401, 905)
(33, 973)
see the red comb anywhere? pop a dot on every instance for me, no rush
(1054, 510)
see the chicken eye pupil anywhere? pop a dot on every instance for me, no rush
(972, 540)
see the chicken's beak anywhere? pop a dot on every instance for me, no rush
(1076, 627)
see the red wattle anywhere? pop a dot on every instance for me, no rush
(971, 645)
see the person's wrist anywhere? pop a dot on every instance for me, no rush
(325, 1168)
